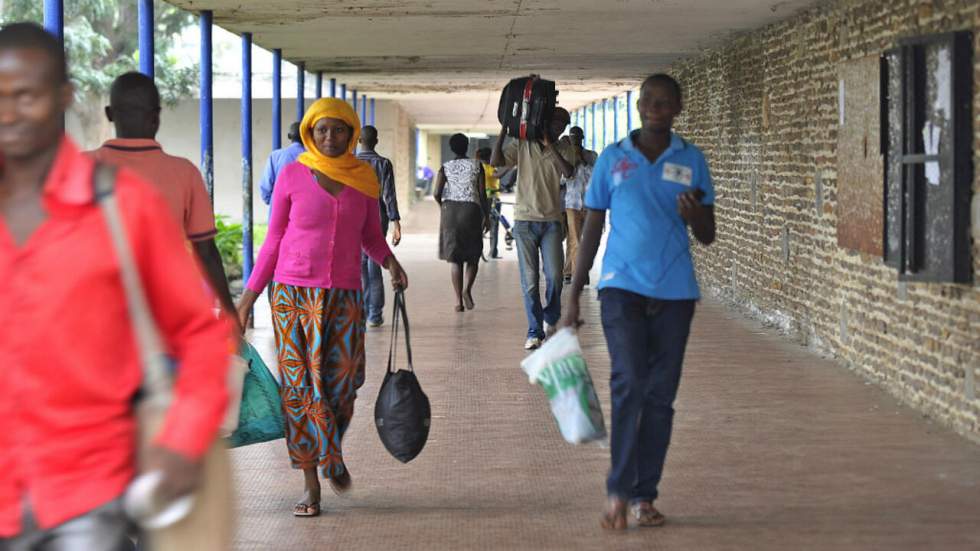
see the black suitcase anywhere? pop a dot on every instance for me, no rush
(526, 106)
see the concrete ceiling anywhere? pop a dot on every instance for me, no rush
(445, 61)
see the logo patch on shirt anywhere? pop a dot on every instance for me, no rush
(679, 174)
(621, 170)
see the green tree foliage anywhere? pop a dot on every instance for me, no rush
(101, 41)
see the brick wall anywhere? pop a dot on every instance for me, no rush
(777, 254)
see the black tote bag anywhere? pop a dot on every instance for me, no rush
(401, 412)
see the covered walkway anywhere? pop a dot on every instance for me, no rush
(774, 447)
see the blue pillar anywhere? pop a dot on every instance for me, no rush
(595, 131)
(319, 84)
(145, 18)
(276, 98)
(207, 105)
(629, 112)
(372, 111)
(604, 102)
(353, 95)
(343, 92)
(54, 18)
(300, 90)
(363, 110)
(616, 119)
(333, 87)
(246, 116)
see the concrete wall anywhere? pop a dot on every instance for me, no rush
(180, 135)
(764, 107)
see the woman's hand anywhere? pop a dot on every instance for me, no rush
(244, 308)
(399, 279)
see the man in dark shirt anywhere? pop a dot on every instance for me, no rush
(371, 279)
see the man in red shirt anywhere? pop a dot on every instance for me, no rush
(69, 354)
(135, 112)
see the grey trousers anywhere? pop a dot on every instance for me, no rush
(105, 528)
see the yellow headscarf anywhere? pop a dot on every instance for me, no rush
(346, 169)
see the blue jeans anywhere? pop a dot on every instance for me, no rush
(540, 241)
(646, 340)
(494, 226)
(373, 283)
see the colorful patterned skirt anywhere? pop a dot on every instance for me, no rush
(320, 343)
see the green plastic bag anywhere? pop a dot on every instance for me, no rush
(260, 418)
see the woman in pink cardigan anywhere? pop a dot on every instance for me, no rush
(324, 211)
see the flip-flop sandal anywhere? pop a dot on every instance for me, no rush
(647, 515)
(306, 510)
(615, 516)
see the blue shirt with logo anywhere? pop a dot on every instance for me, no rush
(648, 251)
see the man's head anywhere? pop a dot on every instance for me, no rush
(134, 106)
(34, 91)
(459, 144)
(660, 101)
(577, 135)
(293, 134)
(484, 154)
(559, 121)
(369, 137)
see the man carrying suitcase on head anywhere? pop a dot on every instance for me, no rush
(538, 213)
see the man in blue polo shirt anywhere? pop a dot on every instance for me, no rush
(655, 186)
(278, 159)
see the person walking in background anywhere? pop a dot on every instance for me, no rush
(575, 188)
(492, 183)
(655, 186)
(68, 432)
(324, 212)
(538, 215)
(134, 110)
(371, 279)
(460, 190)
(277, 160)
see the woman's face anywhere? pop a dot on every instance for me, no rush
(332, 136)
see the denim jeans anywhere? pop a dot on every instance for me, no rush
(494, 227)
(536, 242)
(104, 528)
(646, 340)
(373, 283)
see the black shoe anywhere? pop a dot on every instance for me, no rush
(568, 279)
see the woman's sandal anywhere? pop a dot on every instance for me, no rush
(647, 515)
(615, 516)
(468, 301)
(306, 509)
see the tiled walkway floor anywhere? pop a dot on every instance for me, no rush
(773, 447)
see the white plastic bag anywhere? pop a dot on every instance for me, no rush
(558, 366)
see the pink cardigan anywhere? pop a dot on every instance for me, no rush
(315, 239)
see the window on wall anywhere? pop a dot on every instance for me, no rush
(926, 134)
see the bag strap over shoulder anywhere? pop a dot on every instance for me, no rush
(156, 377)
(400, 313)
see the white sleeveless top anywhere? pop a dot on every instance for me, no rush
(462, 182)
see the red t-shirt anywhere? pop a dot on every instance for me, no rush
(175, 178)
(69, 355)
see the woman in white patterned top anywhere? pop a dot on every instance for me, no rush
(460, 192)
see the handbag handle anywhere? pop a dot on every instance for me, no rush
(157, 383)
(399, 311)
